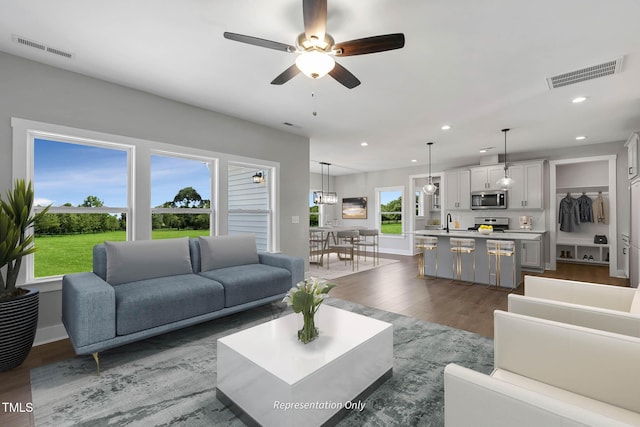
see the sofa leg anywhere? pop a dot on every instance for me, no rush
(97, 359)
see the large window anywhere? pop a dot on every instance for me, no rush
(390, 212)
(180, 197)
(249, 203)
(86, 184)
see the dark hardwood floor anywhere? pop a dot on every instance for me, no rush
(394, 288)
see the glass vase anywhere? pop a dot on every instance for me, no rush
(309, 332)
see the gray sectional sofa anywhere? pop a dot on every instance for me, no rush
(140, 289)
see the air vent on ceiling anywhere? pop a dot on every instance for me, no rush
(41, 46)
(587, 73)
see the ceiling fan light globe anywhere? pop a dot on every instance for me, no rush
(429, 189)
(315, 64)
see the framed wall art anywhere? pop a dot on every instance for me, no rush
(354, 208)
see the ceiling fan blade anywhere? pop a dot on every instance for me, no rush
(315, 18)
(286, 75)
(344, 76)
(371, 44)
(259, 42)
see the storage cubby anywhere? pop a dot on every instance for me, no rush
(576, 251)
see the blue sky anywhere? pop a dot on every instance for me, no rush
(68, 173)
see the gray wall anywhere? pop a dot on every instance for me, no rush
(364, 184)
(33, 91)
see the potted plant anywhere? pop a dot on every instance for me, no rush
(18, 306)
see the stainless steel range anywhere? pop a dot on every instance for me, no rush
(499, 224)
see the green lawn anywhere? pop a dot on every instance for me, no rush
(393, 228)
(58, 255)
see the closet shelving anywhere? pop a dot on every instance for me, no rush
(578, 247)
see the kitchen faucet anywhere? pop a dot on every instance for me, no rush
(448, 221)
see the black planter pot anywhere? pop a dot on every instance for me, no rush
(18, 324)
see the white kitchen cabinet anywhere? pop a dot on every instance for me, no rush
(526, 191)
(531, 254)
(457, 190)
(486, 177)
(632, 155)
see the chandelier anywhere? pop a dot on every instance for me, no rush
(325, 197)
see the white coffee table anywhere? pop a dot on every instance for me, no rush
(276, 380)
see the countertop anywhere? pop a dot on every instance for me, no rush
(510, 235)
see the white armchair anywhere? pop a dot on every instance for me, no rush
(548, 374)
(608, 308)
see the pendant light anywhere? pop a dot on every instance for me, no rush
(331, 198)
(325, 197)
(430, 188)
(506, 181)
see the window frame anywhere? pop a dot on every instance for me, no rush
(139, 217)
(379, 191)
(211, 210)
(28, 272)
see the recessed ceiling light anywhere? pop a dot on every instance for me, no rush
(364, 143)
(580, 138)
(579, 99)
(413, 160)
(445, 127)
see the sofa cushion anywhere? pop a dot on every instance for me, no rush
(149, 303)
(147, 259)
(250, 282)
(227, 251)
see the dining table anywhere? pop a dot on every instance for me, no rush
(328, 233)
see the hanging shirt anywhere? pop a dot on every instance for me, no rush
(601, 209)
(585, 208)
(569, 214)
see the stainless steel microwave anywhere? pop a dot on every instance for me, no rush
(489, 200)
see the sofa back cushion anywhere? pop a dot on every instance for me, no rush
(147, 259)
(227, 251)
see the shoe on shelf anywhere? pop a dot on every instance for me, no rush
(562, 255)
(590, 257)
(586, 257)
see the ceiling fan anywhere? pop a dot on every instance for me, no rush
(316, 47)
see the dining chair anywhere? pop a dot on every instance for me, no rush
(346, 247)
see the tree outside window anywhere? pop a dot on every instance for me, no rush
(391, 214)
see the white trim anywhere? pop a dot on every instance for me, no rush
(50, 334)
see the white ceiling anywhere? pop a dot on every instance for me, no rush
(477, 65)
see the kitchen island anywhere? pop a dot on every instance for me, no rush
(445, 257)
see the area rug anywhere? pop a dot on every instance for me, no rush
(338, 268)
(171, 379)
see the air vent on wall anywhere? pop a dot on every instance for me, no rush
(587, 73)
(41, 46)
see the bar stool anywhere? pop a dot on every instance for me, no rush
(458, 247)
(369, 239)
(426, 243)
(499, 249)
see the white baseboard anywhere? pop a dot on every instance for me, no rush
(50, 334)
